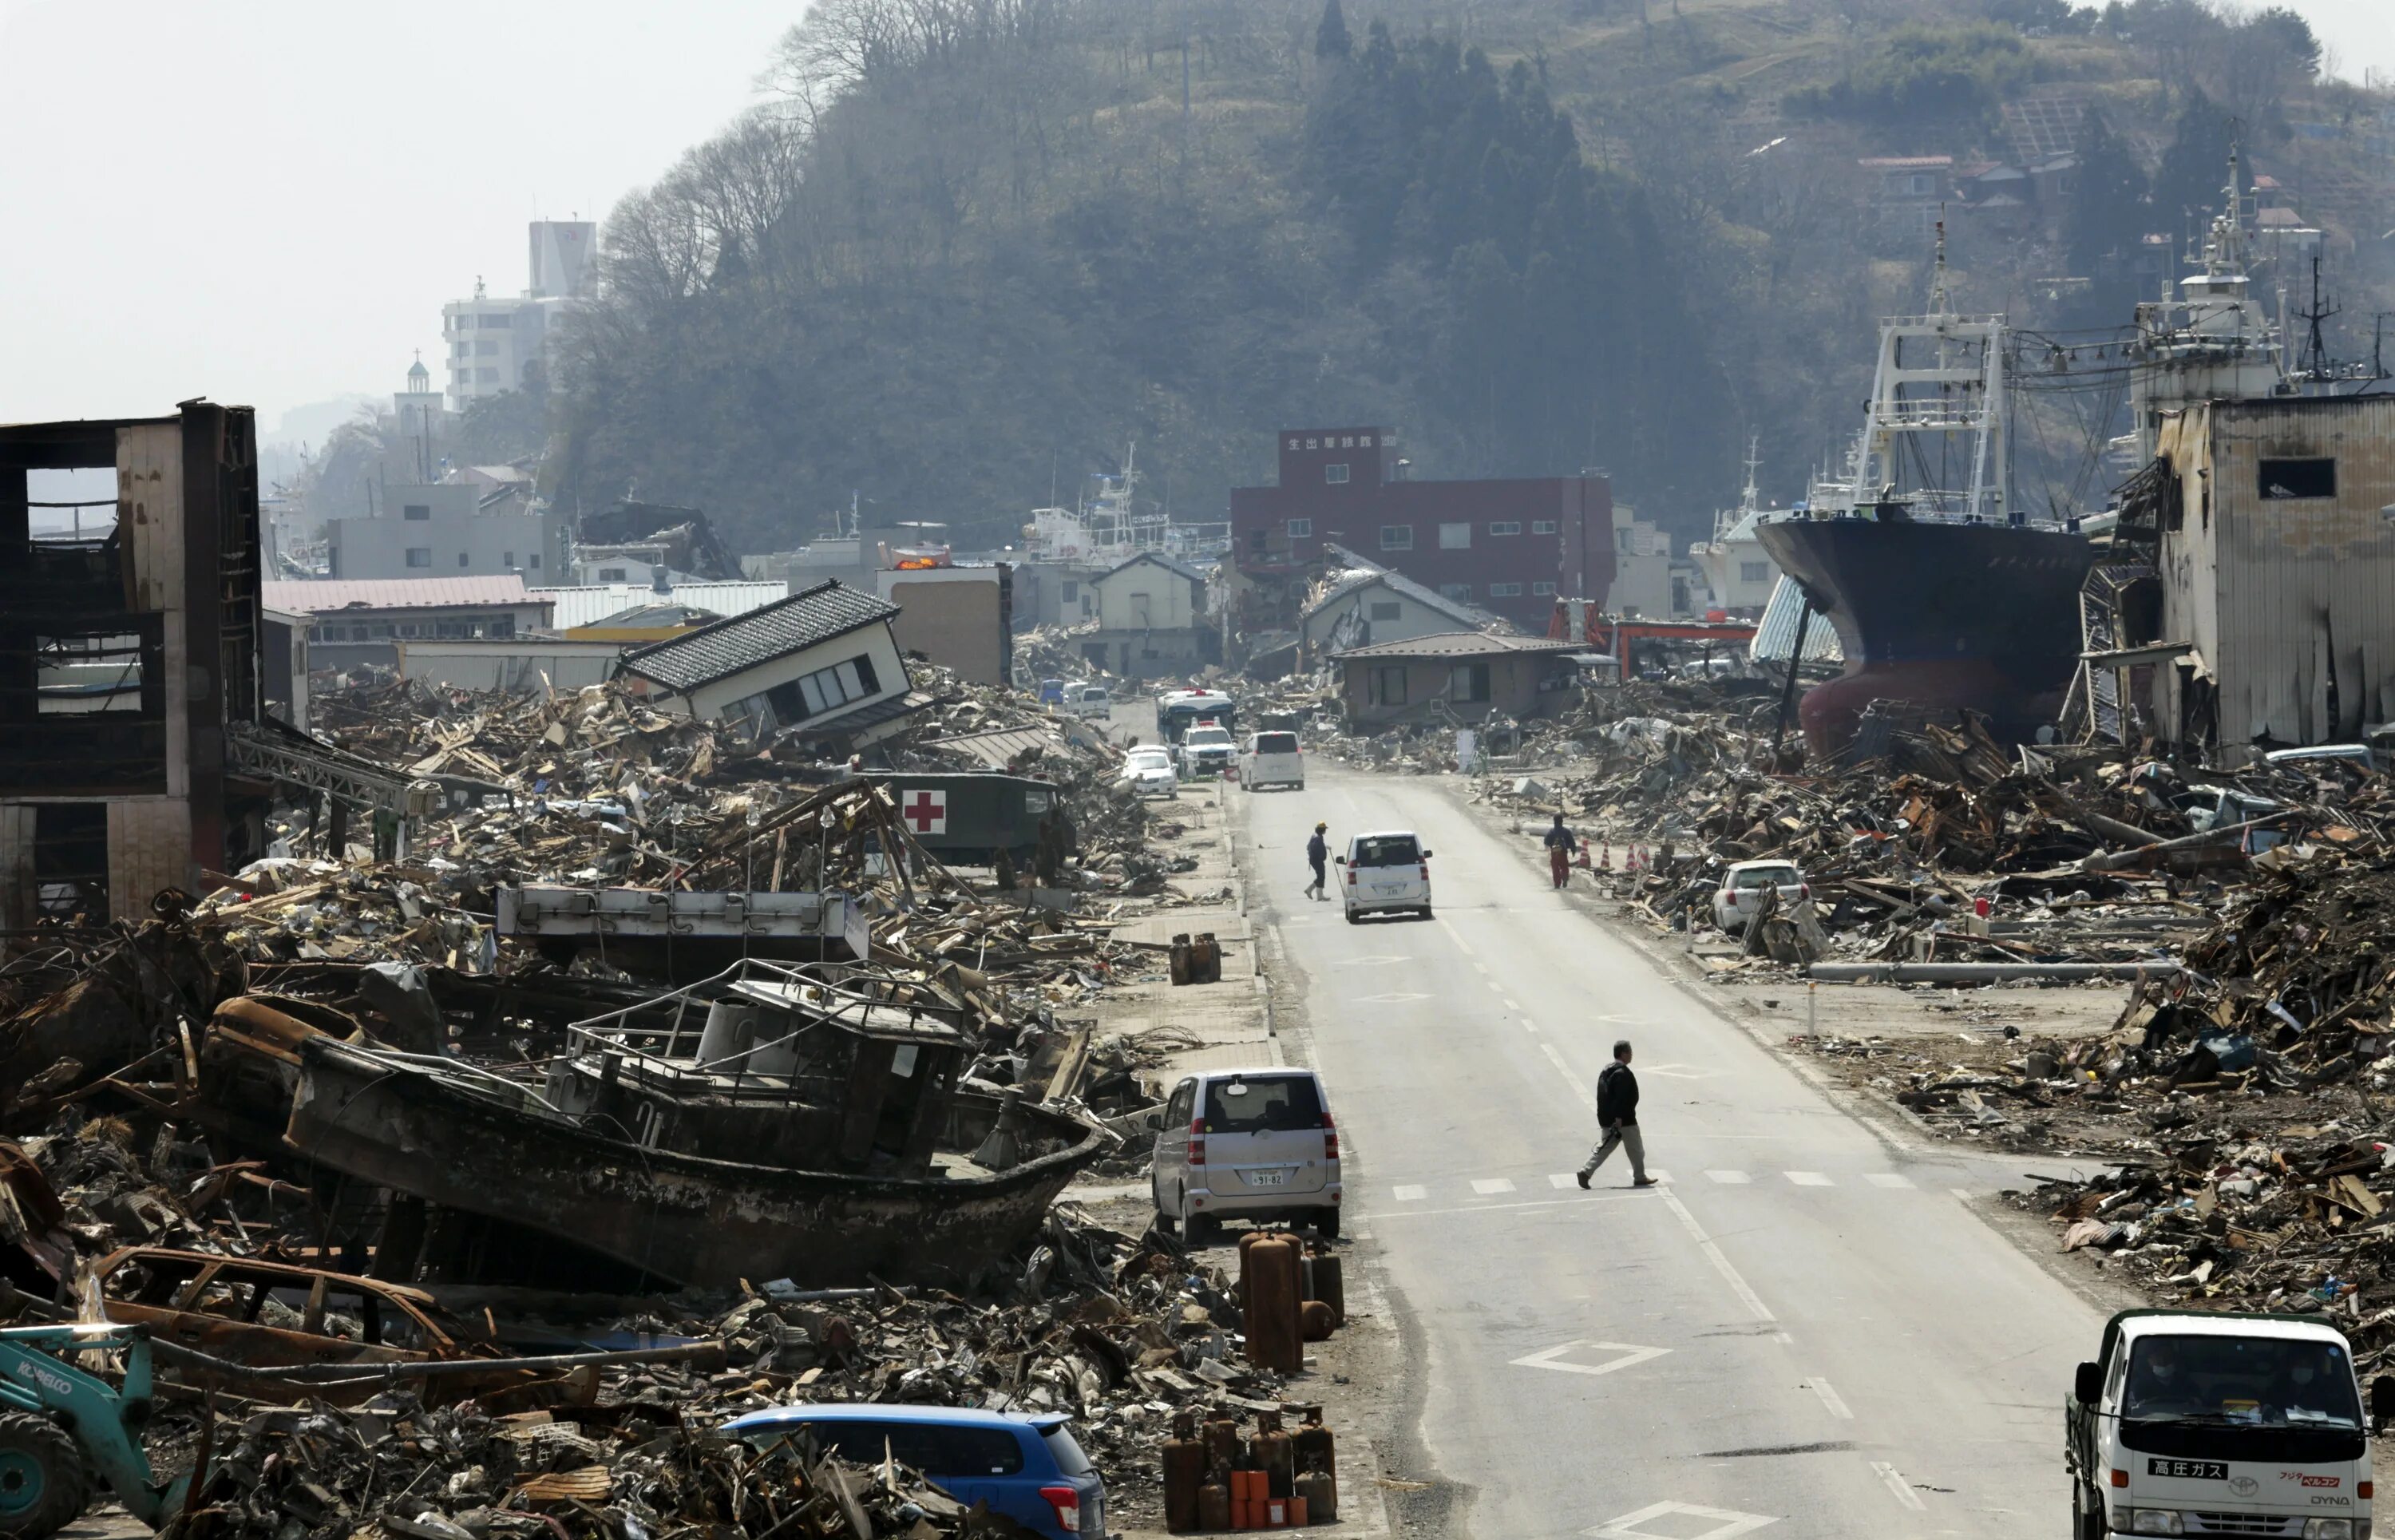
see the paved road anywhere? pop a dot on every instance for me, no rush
(1804, 1332)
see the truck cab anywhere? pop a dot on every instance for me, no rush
(2191, 1423)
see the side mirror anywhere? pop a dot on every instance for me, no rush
(2087, 1384)
(1341, 860)
(1426, 855)
(2382, 1400)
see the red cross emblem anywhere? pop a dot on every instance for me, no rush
(927, 811)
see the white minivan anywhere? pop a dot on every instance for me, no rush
(1088, 700)
(1247, 1144)
(1387, 873)
(1271, 759)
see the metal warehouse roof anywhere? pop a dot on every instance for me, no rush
(732, 647)
(588, 603)
(1459, 645)
(336, 593)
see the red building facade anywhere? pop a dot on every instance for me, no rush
(1513, 545)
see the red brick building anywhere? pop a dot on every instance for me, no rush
(1511, 546)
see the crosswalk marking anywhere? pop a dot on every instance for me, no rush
(1806, 1178)
(1489, 1187)
(1730, 1178)
(1562, 1179)
(1887, 1179)
(1412, 1194)
(1616, 1173)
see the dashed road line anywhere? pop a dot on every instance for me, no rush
(1747, 1297)
(1831, 1399)
(1894, 1480)
(1730, 1178)
(1887, 1179)
(1806, 1178)
(1410, 1194)
(1489, 1187)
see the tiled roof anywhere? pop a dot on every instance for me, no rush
(1398, 583)
(1459, 645)
(1160, 559)
(319, 598)
(727, 648)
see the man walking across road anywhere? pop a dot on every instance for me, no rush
(1617, 1114)
(1560, 845)
(1317, 855)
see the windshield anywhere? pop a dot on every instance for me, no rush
(1150, 759)
(1384, 850)
(2258, 1382)
(1263, 1104)
(1209, 736)
(1759, 877)
(1276, 743)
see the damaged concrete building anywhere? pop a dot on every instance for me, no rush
(2266, 616)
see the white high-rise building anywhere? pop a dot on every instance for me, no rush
(489, 340)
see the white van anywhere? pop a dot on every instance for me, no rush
(1387, 873)
(1088, 700)
(1271, 759)
(1247, 1144)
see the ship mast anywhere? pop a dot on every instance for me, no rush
(1912, 406)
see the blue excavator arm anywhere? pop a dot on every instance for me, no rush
(37, 1375)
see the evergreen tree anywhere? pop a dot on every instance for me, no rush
(2195, 167)
(2109, 213)
(1330, 38)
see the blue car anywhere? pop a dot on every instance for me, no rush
(1026, 1467)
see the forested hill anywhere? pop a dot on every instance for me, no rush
(970, 250)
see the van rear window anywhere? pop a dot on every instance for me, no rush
(1276, 743)
(1275, 1104)
(931, 1448)
(1387, 850)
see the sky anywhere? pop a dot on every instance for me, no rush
(267, 202)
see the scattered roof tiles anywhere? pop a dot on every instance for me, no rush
(804, 619)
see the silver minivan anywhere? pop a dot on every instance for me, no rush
(1247, 1144)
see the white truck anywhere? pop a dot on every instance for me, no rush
(2199, 1423)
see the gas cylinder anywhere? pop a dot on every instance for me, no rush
(1185, 1472)
(1315, 1321)
(1325, 1281)
(1247, 1242)
(1297, 1518)
(1214, 1505)
(1319, 1490)
(1222, 1445)
(1275, 1455)
(1314, 1448)
(1271, 1319)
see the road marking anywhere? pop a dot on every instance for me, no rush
(1410, 1194)
(1374, 960)
(1887, 1179)
(1964, 1193)
(1730, 1178)
(1495, 988)
(1562, 1179)
(1806, 1178)
(1455, 935)
(1624, 1355)
(1727, 1523)
(1513, 1004)
(1831, 1399)
(1489, 1187)
(1579, 1086)
(1747, 1297)
(1529, 1026)
(1578, 1200)
(1894, 1480)
(1399, 998)
(1677, 1071)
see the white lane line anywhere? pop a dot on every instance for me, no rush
(1489, 1187)
(1579, 1086)
(1562, 1179)
(1746, 1296)
(1455, 935)
(1806, 1178)
(1410, 1194)
(1730, 1178)
(1894, 1480)
(1576, 1198)
(1964, 1193)
(1513, 1004)
(1495, 988)
(1887, 1179)
(1529, 1026)
(1831, 1399)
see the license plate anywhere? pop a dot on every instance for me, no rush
(1268, 1178)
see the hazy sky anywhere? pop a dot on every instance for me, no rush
(267, 201)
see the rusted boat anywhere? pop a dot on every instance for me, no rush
(774, 1121)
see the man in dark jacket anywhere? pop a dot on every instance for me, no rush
(1617, 1114)
(1317, 855)
(1560, 845)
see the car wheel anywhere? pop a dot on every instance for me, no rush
(1327, 1223)
(1301, 785)
(1353, 918)
(1423, 912)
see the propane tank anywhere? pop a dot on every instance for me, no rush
(1326, 1280)
(1314, 1318)
(1247, 1242)
(1316, 1454)
(1318, 1489)
(1274, 1330)
(1275, 1455)
(1214, 1504)
(1185, 1471)
(1222, 1449)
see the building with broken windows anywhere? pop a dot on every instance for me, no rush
(2269, 619)
(823, 663)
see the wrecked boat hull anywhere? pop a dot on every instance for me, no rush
(686, 1219)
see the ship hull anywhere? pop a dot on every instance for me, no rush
(1946, 616)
